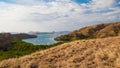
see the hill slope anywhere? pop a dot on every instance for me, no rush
(7, 38)
(94, 31)
(93, 53)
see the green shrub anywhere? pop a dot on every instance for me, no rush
(20, 48)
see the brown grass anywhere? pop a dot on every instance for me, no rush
(94, 31)
(93, 53)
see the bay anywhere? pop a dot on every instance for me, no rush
(45, 38)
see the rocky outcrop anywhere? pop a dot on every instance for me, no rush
(92, 53)
(95, 31)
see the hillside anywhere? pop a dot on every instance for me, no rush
(94, 31)
(92, 53)
(7, 38)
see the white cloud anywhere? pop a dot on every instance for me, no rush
(38, 15)
(100, 5)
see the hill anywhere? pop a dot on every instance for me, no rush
(7, 38)
(92, 53)
(94, 31)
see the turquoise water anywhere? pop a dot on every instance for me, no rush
(44, 38)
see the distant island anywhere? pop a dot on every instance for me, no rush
(37, 32)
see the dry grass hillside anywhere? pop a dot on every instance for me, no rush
(92, 53)
(94, 31)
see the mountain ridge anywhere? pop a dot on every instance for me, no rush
(94, 31)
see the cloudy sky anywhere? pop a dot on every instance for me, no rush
(55, 15)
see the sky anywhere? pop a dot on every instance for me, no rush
(55, 15)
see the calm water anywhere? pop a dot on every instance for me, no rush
(44, 38)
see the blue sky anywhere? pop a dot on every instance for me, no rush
(7, 1)
(82, 1)
(77, 1)
(55, 15)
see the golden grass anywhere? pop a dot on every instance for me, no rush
(94, 31)
(93, 53)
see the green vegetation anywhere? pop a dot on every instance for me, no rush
(21, 48)
(64, 38)
(67, 38)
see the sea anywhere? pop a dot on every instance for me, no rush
(45, 38)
